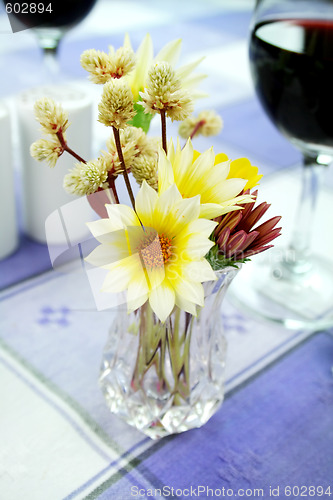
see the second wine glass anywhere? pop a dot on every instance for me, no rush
(291, 60)
(50, 21)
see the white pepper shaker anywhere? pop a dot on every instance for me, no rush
(43, 191)
(8, 220)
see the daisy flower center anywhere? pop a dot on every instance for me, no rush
(155, 249)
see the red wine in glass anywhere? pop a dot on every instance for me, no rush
(292, 67)
(61, 14)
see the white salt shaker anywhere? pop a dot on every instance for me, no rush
(43, 192)
(8, 224)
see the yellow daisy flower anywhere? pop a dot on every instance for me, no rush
(161, 261)
(240, 168)
(199, 174)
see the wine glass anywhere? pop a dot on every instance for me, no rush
(49, 20)
(291, 61)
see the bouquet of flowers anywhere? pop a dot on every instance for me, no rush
(175, 248)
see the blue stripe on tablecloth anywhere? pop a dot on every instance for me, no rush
(265, 433)
(265, 356)
(28, 285)
(30, 259)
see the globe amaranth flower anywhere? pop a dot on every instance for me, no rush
(140, 154)
(47, 150)
(145, 169)
(102, 67)
(200, 174)
(162, 262)
(207, 123)
(237, 235)
(87, 178)
(51, 116)
(164, 92)
(116, 106)
(145, 59)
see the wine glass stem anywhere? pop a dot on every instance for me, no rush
(298, 258)
(49, 40)
(51, 60)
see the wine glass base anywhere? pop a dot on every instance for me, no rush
(268, 290)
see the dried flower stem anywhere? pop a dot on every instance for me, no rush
(112, 185)
(66, 148)
(164, 136)
(200, 124)
(121, 158)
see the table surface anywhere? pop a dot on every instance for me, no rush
(57, 438)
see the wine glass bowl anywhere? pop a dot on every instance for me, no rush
(49, 20)
(291, 62)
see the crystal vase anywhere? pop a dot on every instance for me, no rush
(166, 378)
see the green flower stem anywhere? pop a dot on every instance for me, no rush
(139, 363)
(151, 349)
(156, 341)
(181, 354)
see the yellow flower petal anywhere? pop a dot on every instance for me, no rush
(137, 293)
(162, 300)
(101, 227)
(187, 210)
(106, 254)
(145, 202)
(196, 247)
(122, 273)
(199, 271)
(187, 69)
(190, 290)
(242, 168)
(164, 209)
(226, 191)
(212, 210)
(121, 216)
(202, 226)
(185, 305)
(165, 172)
(144, 59)
(170, 52)
(220, 158)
